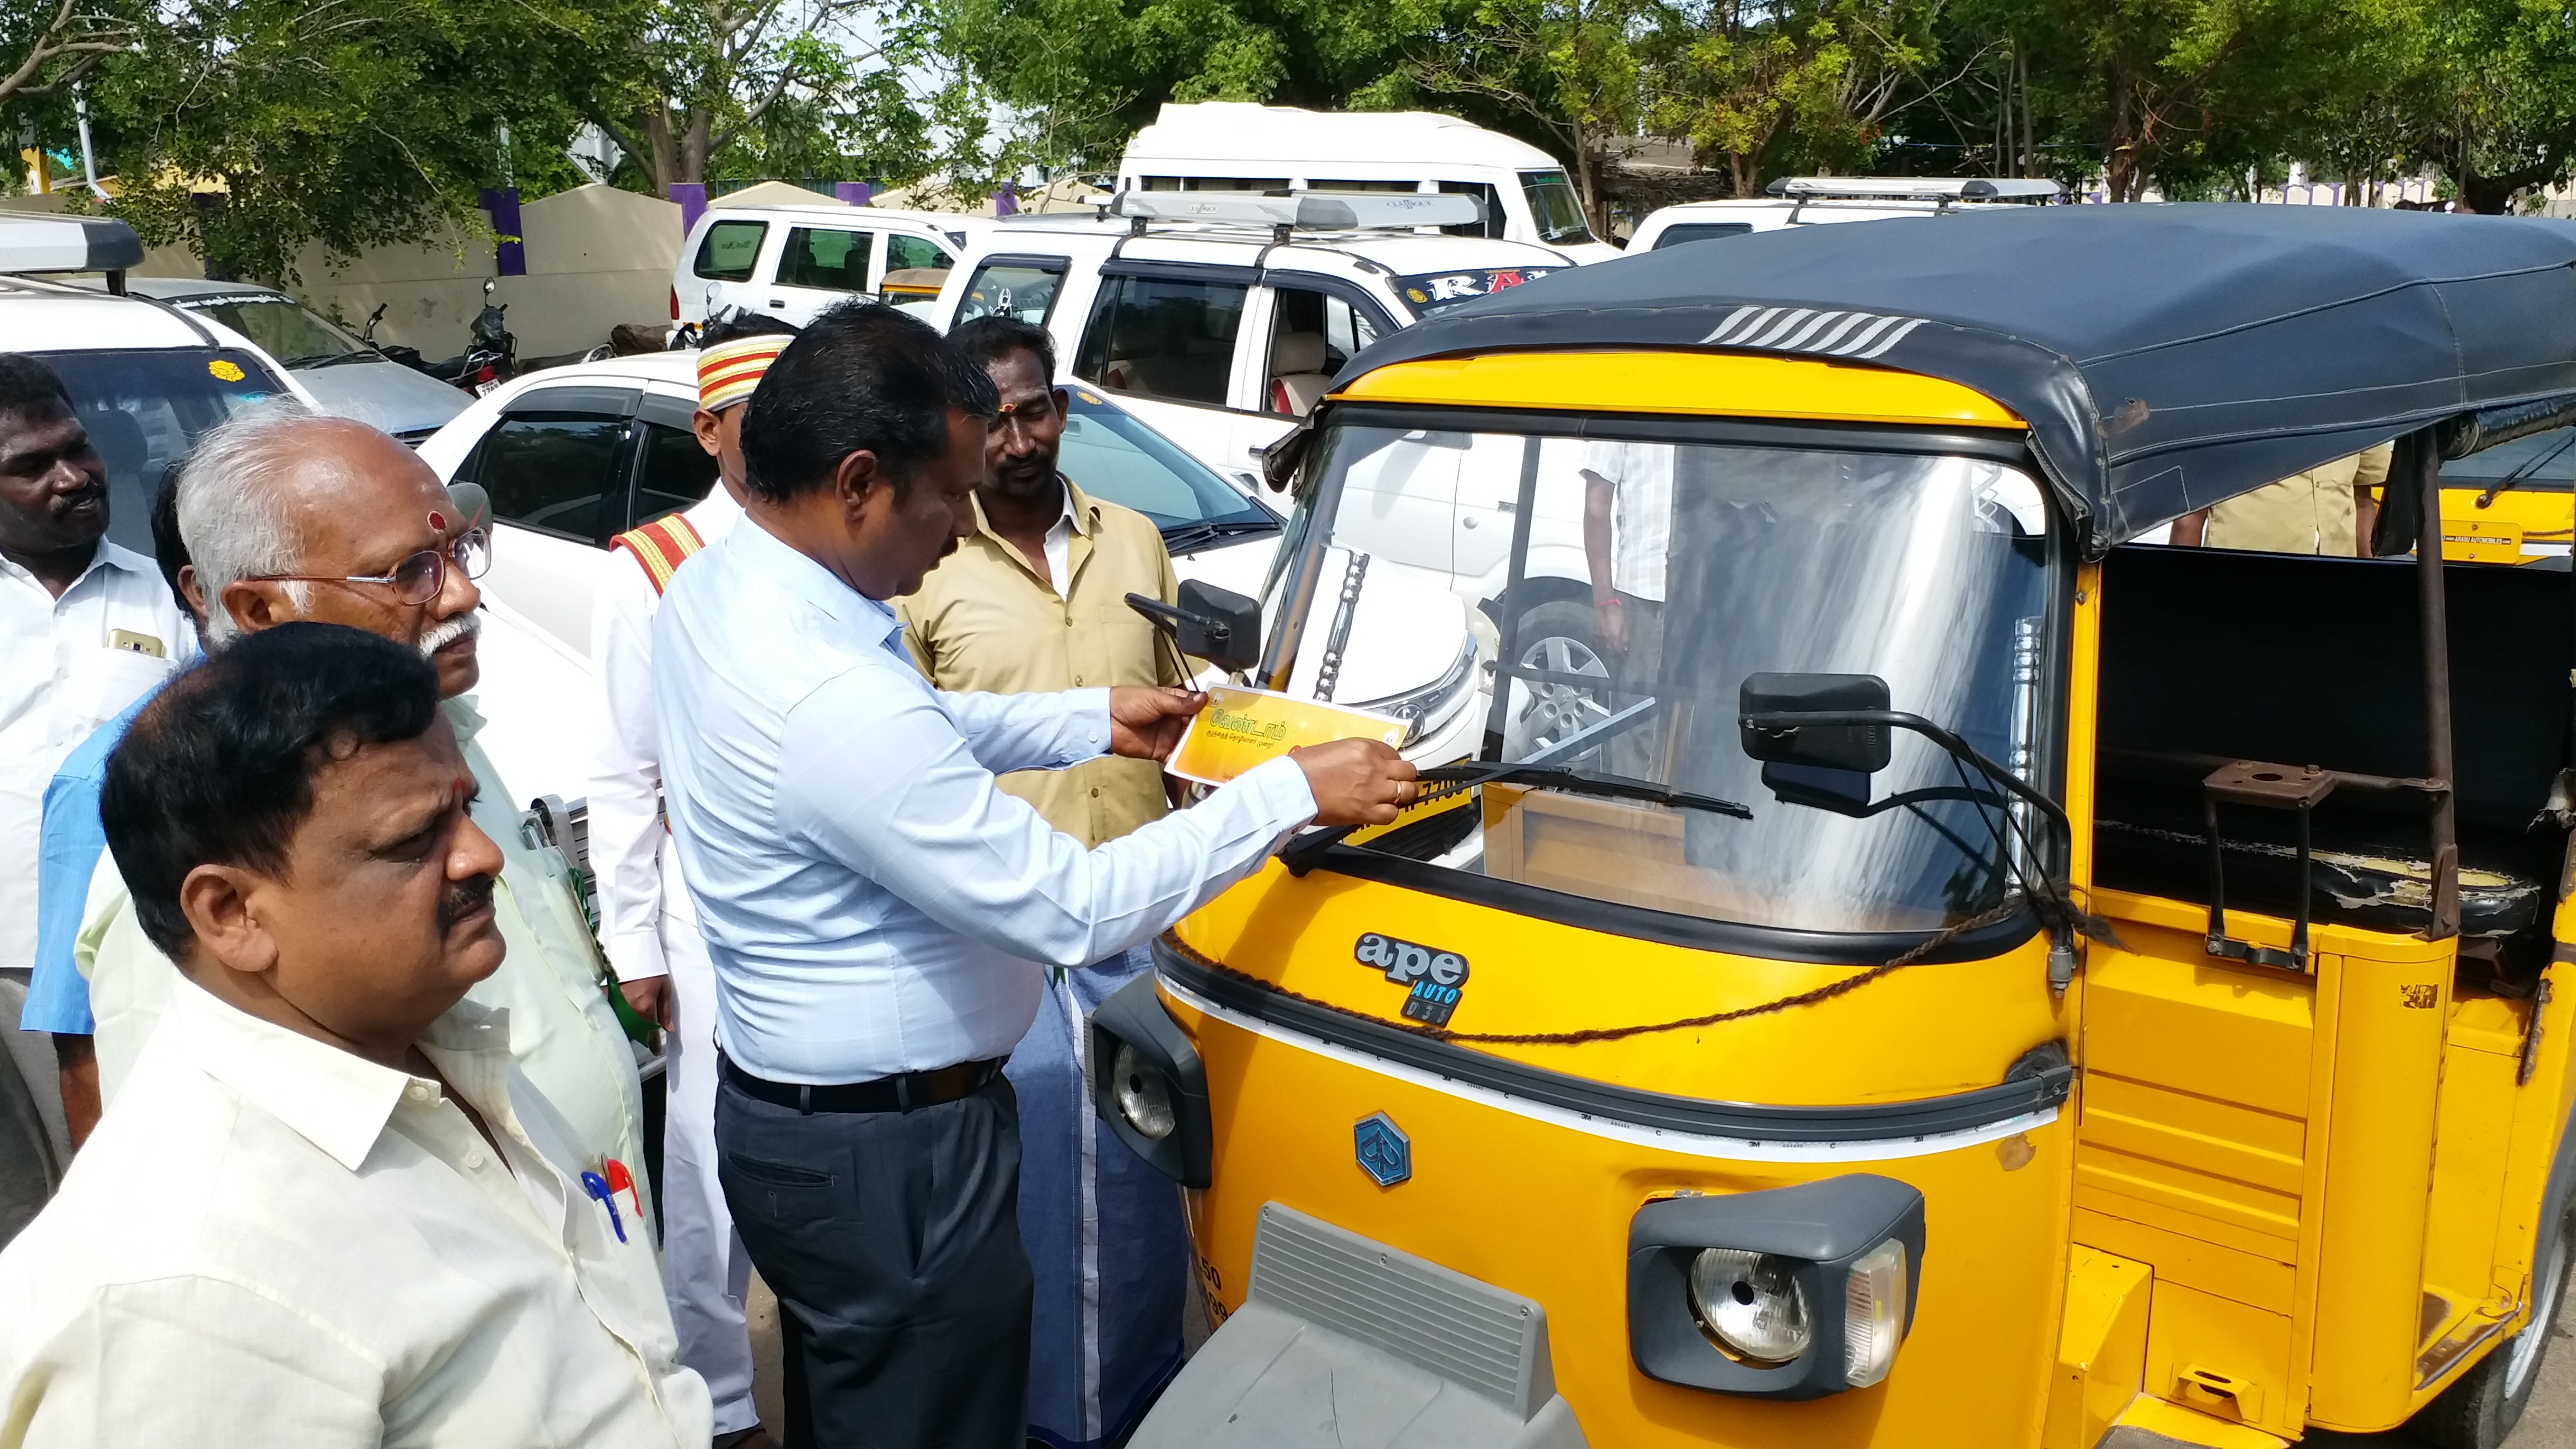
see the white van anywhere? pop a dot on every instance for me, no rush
(1816, 200)
(792, 262)
(1240, 146)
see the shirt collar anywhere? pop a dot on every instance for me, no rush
(108, 555)
(1080, 512)
(771, 558)
(333, 1099)
(462, 717)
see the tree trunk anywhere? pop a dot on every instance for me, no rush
(2120, 166)
(2029, 150)
(695, 144)
(663, 164)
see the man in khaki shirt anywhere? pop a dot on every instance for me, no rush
(2326, 510)
(1034, 600)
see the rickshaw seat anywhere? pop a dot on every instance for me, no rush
(2213, 653)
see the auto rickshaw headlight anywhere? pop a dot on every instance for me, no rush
(1791, 1293)
(1144, 1093)
(1874, 1312)
(1148, 1084)
(1751, 1303)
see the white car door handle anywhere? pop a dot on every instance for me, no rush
(1470, 520)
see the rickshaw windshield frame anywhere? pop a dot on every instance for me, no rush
(1880, 486)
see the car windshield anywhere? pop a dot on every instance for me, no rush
(143, 407)
(2541, 463)
(1115, 457)
(284, 328)
(1558, 211)
(1928, 572)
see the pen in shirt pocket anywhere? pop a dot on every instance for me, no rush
(597, 1186)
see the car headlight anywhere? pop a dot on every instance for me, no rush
(1426, 709)
(1144, 1093)
(1751, 1303)
(1791, 1293)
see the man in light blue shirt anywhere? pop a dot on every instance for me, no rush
(876, 907)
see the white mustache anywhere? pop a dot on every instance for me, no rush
(464, 626)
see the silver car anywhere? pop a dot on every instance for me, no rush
(345, 375)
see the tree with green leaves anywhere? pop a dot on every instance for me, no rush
(1812, 81)
(693, 89)
(45, 48)
(250, 128)
(1572, 68)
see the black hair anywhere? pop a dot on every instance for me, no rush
(861, 376)
(29, 387)
(739, 325)
(169, 550)
(218, 769)
(988, 339)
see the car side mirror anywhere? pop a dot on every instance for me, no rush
(1217, 625)
(1769, 737)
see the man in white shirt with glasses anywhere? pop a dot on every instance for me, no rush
(289, 516)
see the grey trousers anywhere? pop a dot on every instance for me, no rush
(892, 1240)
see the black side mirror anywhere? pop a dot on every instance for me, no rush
(1823, 766)
(1862, 748)
(1217, 625)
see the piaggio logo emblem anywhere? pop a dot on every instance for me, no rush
(1434, 976)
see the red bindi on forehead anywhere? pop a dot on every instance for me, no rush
(437, 521)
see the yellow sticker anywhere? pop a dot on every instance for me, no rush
(1241, 728)
(226, 369)
(1086, 397)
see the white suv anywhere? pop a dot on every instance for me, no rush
(1220, 317)
(791, 262)
(1820, 200)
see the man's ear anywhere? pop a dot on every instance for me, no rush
(219, 902)
(192, 592)
(710, 430)
(257, 604)
(859, 484)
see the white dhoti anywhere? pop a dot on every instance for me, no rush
(704, 1268)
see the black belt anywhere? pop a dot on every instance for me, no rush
(904, 1092)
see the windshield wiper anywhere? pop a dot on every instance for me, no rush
(2525, 471)
(1198, 535)
(1561, 777)
(360, 354)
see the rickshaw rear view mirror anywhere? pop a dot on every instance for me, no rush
(1774, 700)
(1217, 625)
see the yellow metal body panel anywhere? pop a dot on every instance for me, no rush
(1543, 1208)
(2223, 1239)
(2171, 1421)
(2509, 529)
(2101, 1348)
(1707, 383)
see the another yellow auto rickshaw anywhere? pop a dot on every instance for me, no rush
(1939, 976)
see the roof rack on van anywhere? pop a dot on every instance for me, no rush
(1299, 211)
(70, 244)
(1914, 188)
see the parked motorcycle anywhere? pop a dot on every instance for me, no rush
(490, 356)
(390, 351)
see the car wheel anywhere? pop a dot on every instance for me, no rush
(1555, 636)
(2480, 1410)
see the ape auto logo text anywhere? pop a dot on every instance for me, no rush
(1433, 975)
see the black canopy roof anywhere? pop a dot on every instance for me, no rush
(2166, 357)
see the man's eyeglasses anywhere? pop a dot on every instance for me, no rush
(420, 577)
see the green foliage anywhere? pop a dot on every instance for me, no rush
(353, 124)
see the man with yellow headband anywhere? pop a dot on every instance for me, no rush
(646, 921)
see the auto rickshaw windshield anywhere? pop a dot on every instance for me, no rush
(1704, 564)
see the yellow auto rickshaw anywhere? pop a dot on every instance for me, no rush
(1940, 974)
